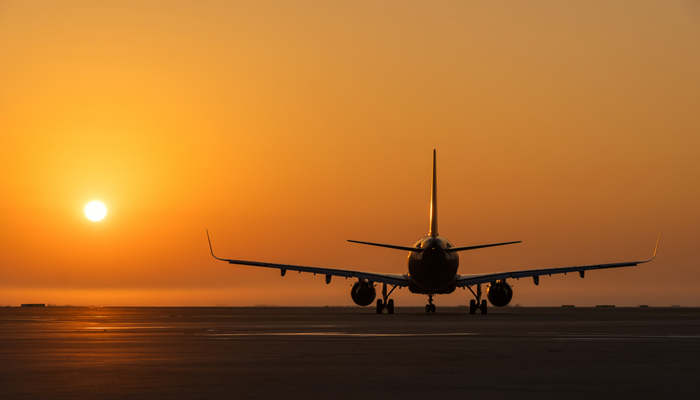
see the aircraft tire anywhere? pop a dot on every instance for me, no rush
(390, 306)
(484, 307)
(472, 306)
(380, 306)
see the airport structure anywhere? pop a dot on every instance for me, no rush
(433, 264)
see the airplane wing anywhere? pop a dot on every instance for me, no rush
(391, 279)
(468, 280)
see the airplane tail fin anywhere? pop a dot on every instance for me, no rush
(433, 201)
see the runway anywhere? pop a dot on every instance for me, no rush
(171, 353)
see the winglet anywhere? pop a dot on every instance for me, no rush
(211, 249)
(658, 239)
(653, 255)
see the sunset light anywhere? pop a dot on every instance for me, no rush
(95, 211)
(286, 128)
(282, 178)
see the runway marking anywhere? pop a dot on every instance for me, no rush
(625, 337)
(280, 326)
(341, 334)
(126, 327)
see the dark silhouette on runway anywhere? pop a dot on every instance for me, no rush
(432, 269)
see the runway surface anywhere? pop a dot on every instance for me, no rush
(170, 353)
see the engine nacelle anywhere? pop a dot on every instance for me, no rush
(363, 293)
(499, 293)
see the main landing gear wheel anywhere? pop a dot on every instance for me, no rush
(477, 303)
(388, 306)
(385, 303)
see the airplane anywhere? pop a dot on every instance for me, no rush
(432, 269)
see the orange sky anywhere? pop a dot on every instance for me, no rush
(288, 127)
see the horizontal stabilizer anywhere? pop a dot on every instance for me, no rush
(481, 246)
(391, 246)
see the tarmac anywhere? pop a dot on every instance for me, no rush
(261, 353)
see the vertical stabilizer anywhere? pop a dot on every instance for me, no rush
(433, 201)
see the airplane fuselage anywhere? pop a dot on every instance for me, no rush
(433, 270)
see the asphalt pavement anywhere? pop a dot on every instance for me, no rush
(241, 353)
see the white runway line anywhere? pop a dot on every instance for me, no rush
(624, 337)
(340, 334)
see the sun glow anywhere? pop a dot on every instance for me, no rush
(95, 211)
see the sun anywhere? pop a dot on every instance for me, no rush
(95, 211)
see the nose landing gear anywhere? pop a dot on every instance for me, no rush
(476, 303)
(430, 307)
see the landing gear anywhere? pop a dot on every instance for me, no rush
(430, 307)
(476, 303)
(385, 302)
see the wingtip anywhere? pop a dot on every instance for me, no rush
(656, 247)
(211, 249)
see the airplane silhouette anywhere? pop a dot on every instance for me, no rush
(432, 269)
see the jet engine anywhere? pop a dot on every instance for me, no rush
(499, 293)
(363, 293)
